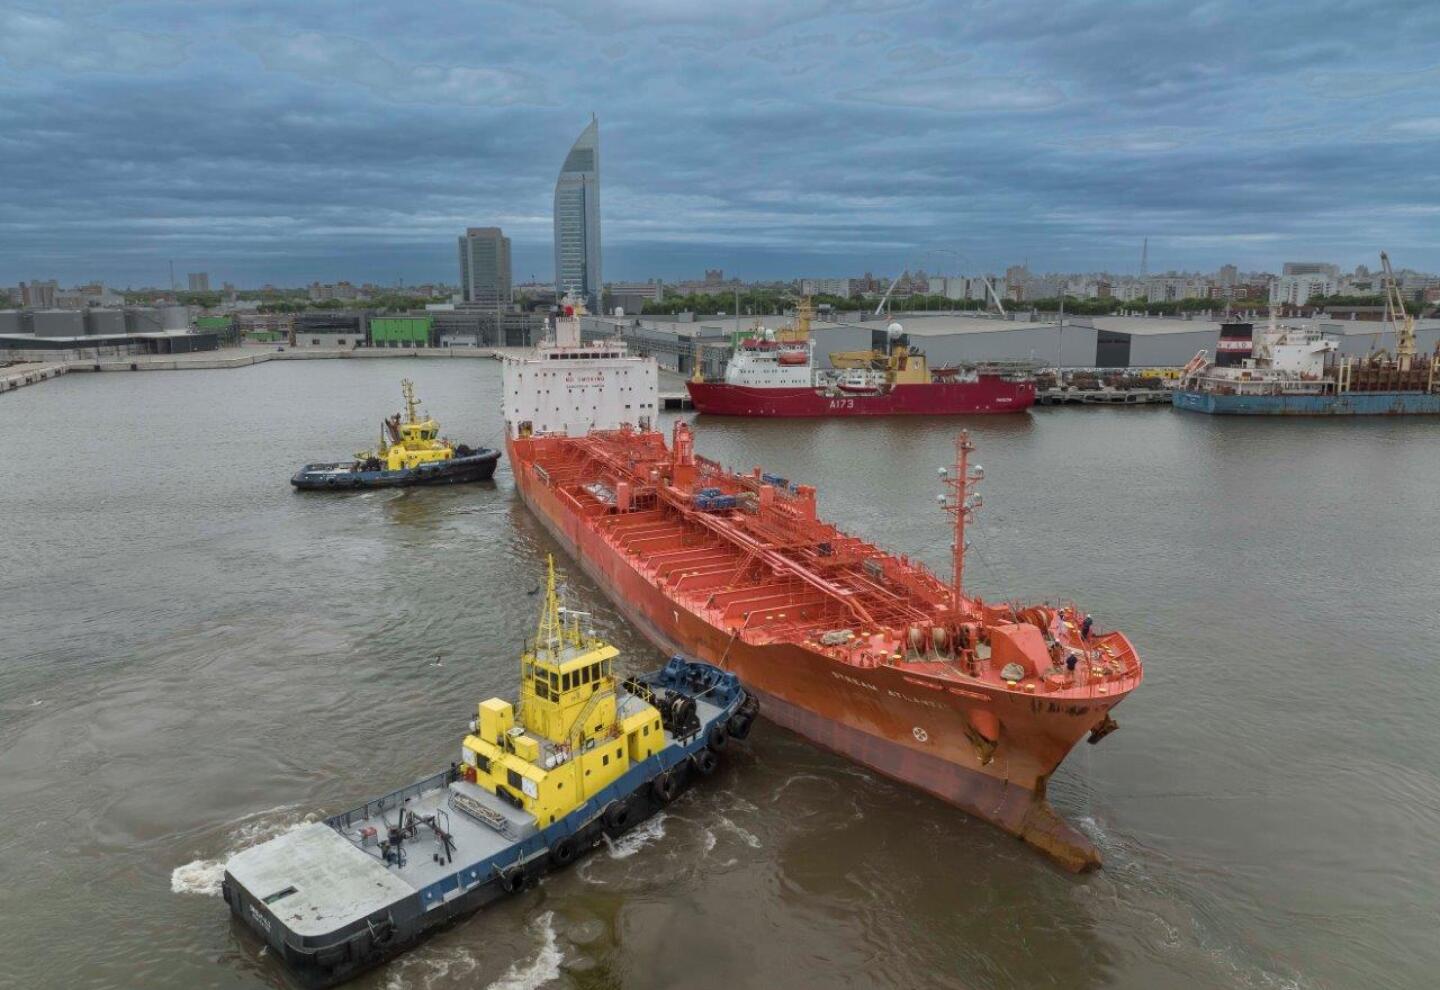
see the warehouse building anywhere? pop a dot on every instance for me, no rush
(481, 326)
(402, 331)
(74, 334)
(341, 329)
(1081, 342)
(672, 343)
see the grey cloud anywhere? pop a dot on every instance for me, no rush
(961, 93)
(807, 138)
(336, 58)
(31, 39)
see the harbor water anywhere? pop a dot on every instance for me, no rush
(194, 657)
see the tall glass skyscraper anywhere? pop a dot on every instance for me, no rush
(577, 220)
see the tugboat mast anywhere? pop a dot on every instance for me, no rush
(961, 503)
(408, 387)
(551, 634)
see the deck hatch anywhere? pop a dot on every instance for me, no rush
(280, 895)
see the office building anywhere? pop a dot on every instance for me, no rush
(825, 286)
(1297, 290)
(199, 281)
(39, 295)
(1311, 268)
(485, 267)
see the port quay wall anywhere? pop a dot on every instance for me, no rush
(42, 366)
(244, 357)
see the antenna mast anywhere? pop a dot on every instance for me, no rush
(408, 387)
(550, 632)
(961, 503)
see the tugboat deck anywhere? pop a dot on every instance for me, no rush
(325, 877)
(316, 881)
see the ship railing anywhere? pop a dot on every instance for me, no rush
(394, 799)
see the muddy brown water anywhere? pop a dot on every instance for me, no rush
(193, 657)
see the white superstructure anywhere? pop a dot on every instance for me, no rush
(760, 361)
(1286, 360)
(570, 387)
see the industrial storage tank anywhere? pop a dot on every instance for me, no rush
(10, 321)
(142, 319)
(174, 318)
(104, 322)
(59, 323)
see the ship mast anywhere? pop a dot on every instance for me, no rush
(551, 634)
(961, 503)
(408, 387)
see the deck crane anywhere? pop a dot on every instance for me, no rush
(1402, 321)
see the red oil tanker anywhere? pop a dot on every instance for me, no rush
(866, 653)
(773, 373)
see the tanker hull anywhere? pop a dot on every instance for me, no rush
(896, 721)
(987, 394)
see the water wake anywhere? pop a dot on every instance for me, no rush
(543, 968)
(430, 967)
(748, 837)
(203, 876)
(638, 838)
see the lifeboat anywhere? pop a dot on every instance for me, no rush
(794, 357)
(859, 383)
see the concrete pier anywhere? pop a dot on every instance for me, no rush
(20, 375)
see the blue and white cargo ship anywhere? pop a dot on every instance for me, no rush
(1298, 371)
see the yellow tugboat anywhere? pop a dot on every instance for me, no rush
(583, 756)
(411, 452)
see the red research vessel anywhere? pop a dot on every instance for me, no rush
(866, 653)
(773, 373)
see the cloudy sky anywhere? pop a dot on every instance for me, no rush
(291, 140)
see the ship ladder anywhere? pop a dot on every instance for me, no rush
(577, 728)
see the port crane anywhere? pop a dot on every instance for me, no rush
(880, 307)
(1402, 321)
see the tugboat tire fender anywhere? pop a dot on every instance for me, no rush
(617, 816)
(513, 880)
(666, 786)
(706, 761)
(562, 853)
(716, 739)
(739, 725)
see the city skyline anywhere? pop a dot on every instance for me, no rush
(771, 140)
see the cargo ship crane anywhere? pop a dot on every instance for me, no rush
(962, 505)
(1402, 321)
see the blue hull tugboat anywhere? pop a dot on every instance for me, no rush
(411, 452)
(583, 756)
